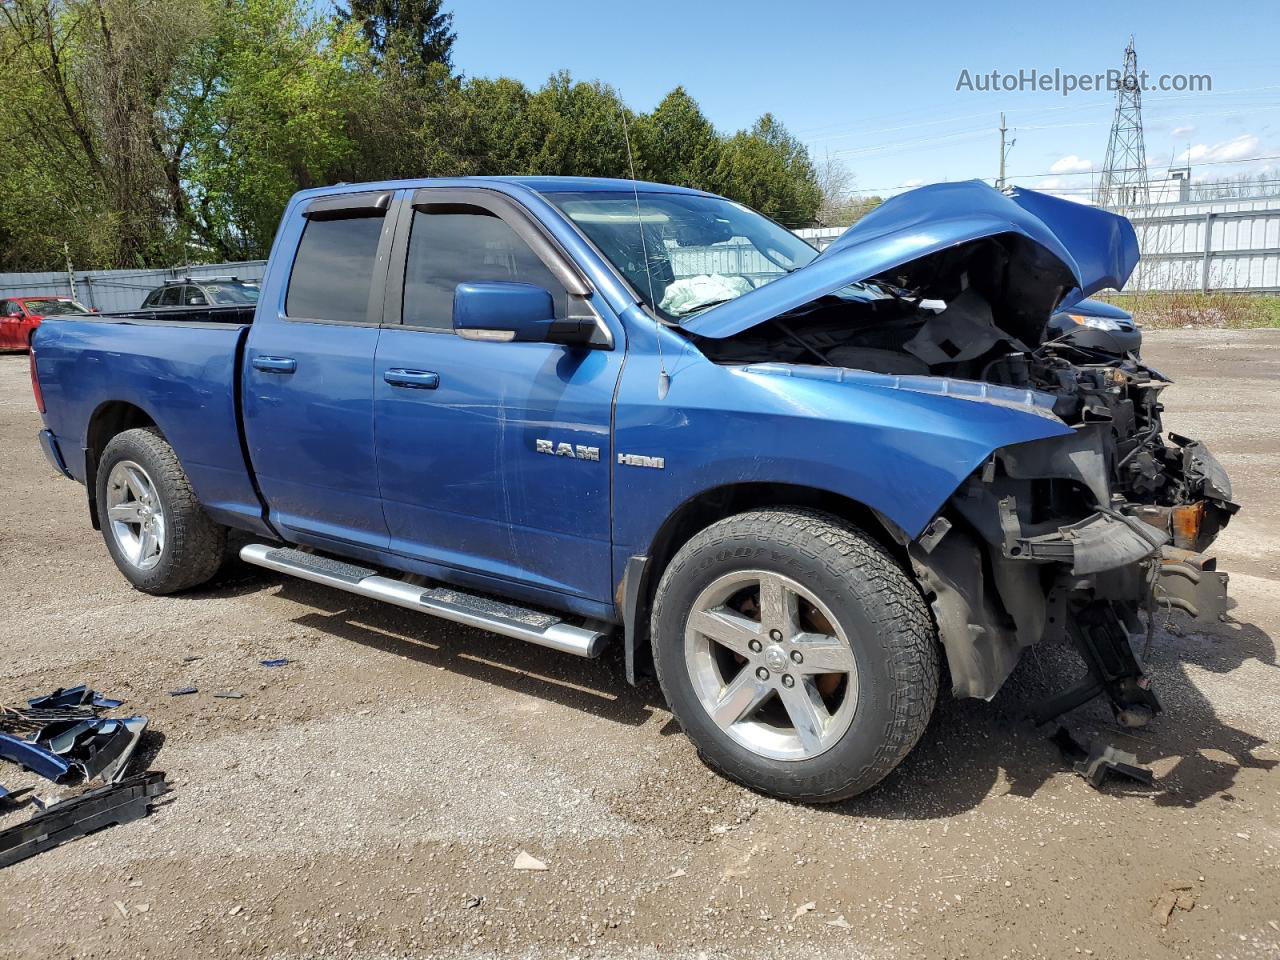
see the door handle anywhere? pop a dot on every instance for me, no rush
(413, 379)
(275, 364)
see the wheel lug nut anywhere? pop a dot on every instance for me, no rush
(762, 673)
(797, 657)
(755, 646)
(788, 680)
(775, 635)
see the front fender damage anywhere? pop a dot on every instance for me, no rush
(1042, 543)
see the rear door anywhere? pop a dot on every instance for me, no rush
(467, 430)
(308, 374)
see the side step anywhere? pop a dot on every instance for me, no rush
(535, 626)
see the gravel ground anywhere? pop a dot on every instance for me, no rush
(370, 799)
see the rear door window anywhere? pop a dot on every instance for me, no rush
(333, 270)
(169, 297)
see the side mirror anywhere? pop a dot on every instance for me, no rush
(521, 312)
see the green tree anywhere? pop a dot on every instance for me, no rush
(768, 169)
(270, 120)
(415, 33)
(577, 129)
(85, 146)
(676, 143)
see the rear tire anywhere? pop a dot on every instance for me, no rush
(796, 653)
(154, 527)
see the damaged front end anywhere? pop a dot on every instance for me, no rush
(1069, 538)
(947, 290)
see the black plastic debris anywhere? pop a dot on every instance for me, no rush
(274, 662)
(10, 799)
(74, 697)
(1104, 760)
(65, 732)
(92, 810)
(183, 691)
(1070, 748)
(1099, 760)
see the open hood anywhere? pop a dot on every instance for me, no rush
(1046, 253)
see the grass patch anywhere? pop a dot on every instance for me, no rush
(1176, 310)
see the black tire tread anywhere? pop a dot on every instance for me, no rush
(198, 544)
(894, 603)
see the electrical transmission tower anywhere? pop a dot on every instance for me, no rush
(1124, 175)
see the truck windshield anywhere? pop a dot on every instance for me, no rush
(701, 251)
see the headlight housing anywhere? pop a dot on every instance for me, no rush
(1097, 323)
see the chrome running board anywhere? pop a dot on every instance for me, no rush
(497, 616)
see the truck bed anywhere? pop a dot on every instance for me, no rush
(104, 368)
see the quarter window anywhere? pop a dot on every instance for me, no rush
(456, 243)
(333, 271)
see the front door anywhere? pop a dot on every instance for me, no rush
(308, 397)
(11, 324)
(493, 457)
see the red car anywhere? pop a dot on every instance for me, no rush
(19, 317)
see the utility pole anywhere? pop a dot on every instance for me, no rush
(1005, 147)
(71, 273)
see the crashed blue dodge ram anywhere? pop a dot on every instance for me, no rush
(576, 411)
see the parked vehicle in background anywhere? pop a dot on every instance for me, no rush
(202, 292)
(1092, 323)
(19, 317)
(570, 410)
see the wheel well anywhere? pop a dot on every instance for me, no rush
(708, 507)
(108, 420)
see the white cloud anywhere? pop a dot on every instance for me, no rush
(912, 183)
(1237, 148)
(1068, 188)
(1183, 131)
(1071, 164)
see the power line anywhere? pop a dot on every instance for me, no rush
(1078, 173)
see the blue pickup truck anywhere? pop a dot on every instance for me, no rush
(580, 411)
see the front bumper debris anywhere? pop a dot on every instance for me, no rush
(1103, 541)
(1192, 583)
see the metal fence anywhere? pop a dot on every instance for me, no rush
(1227, 245)
(110, 290)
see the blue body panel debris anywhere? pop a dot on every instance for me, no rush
(276, 662)
(33, 757)
(64, 733)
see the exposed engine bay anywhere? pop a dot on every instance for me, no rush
(1068, 538)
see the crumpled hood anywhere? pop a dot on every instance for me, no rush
(1060, 252)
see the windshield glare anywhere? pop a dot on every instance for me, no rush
(231, 293)
(53, 308)
(701, 250)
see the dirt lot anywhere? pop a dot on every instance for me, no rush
(369, 799)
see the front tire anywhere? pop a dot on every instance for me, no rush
(795, 652)
(154, 527)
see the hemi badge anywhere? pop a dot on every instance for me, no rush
(637, 460)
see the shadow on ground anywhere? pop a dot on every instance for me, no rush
(961, 757)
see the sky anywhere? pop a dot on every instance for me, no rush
(875, 85)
